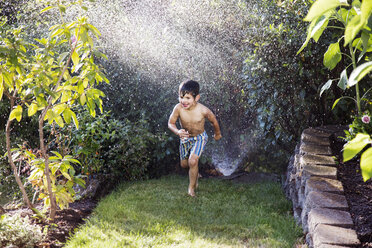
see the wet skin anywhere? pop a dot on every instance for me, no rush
(192, 119)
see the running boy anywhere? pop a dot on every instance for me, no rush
(192, 134)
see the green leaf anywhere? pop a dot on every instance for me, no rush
(32, 109)
(352, 29)
(62, 8)
(47, 8)
(326, 86)
(75, 58)
(335, 103)
(59, 109)
(332, 56)
(354, 146)
(310, 33)
(365, 39)
(56, 32)
(66, 175)
(16, 113)
(94, 29)
(358, 21)
(57, 154)
(67, 114)
(322, 6)
(62, 57)
(343, 80)
(75, 120)
(358, 73)
(320, 25)
(83, 99)
(59, 121)
(366, 164)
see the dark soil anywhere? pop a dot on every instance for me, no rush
(358, 195)
(67, 221)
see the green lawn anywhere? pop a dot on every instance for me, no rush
(159, 213)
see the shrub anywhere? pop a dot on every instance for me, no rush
(18, 231)
(125, 149)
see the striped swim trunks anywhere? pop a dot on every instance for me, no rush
(192, 145)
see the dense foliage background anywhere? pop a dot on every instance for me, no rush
(263, 94)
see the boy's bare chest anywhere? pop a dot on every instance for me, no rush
(192, 117)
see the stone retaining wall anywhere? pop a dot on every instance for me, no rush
(319, 204)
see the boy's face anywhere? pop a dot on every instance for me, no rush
(188, 101)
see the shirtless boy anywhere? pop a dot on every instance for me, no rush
(192, 134)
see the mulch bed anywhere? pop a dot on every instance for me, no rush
(358, 195)
(67, 221)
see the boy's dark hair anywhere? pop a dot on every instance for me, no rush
(190, 87)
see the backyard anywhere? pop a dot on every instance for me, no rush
(87, 88)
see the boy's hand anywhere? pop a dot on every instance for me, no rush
(183, 133)
(217, 136)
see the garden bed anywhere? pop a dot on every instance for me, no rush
(358, 195)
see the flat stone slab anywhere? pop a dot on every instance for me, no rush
(332, 246)
(317, 159)
(326, 200)
(310, 170)
(321, 184)
(315, 132)
(333, 235)
(327, 216)
(315, 149)
(324, 141)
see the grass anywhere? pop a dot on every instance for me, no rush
(158, 213)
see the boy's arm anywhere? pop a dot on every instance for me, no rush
(212, 118)
(182, 133)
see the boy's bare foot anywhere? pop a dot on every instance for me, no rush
(191, 192)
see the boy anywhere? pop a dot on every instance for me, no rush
(192, 134)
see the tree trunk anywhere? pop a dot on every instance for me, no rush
(11, 162)
(43, 148)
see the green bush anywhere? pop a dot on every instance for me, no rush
(281, 87)
(18, 231)
(124, 149)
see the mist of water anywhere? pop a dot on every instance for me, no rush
(167, 41)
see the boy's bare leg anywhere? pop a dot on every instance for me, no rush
(185, 163)
(193, 173)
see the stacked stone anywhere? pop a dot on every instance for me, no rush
(319, 204)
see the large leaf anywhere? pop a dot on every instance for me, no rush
(366, 164)
(365, 44)
(32, 109)
(75, 120)
(357, 22)
(75, 58)
(354, 146)
(352, 29)
(358, 73)
(67, 114)
(332, 56)
(315, 29)
(322, 6)
(16, 113)
(342, 83)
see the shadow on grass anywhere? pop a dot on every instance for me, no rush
(159, 213)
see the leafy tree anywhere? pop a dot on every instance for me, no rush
(47, 77)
